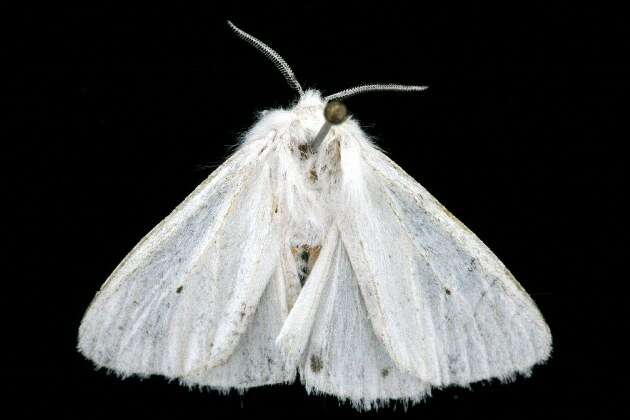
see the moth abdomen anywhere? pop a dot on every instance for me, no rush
(305, 257)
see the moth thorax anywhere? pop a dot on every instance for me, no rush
(305, 154)
(303, 151)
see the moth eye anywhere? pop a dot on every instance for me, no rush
(335, 112)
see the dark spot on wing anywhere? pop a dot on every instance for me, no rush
(243, 310)
(448, 291)
(384, 372)
(302, 275)
(454, 365)
(303, 148)
(274, 205)
(179, 289)
(316, 363)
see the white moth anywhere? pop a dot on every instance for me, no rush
(310, 251)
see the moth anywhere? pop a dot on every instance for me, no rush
(309, 251)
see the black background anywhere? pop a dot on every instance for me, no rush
(117, 112)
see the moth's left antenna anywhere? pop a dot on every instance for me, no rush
(272, 55)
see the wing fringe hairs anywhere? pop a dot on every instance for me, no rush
(333, 263)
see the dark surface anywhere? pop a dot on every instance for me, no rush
(117, 113)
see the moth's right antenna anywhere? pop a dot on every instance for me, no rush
(272, 55)
(379, 87)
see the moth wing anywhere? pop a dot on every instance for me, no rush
(443, 305)
(343, 356)
(296, 331)
(185, 298)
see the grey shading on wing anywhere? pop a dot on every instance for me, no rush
(445, 308)
(176, 305)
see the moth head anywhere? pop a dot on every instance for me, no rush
(334, 110)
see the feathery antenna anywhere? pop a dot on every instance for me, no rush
(374, 88)
(272, 55)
